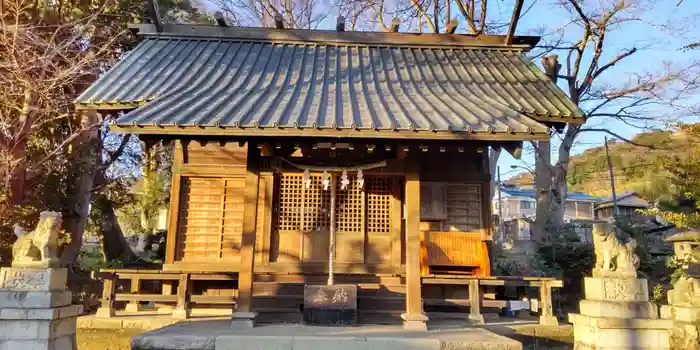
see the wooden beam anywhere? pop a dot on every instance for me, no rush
(395, 25)
(452, 26)
(265, 150)
(245, 279)
(154, 13)
(298, 153)
(219, 16)
(340, 24)
(173, 216)
(414, 318)
(514, 21)
(515, 149)
(279, 21)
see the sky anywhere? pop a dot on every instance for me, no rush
(661, 28)
(657, 46)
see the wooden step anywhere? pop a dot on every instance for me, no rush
(379, 317)
(322, 279)
(381, 303)
(381, 290)
(275, 288)
(279, 301)
(278, 315)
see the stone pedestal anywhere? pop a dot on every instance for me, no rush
(685, 318)
(35, 309)
(616, 314)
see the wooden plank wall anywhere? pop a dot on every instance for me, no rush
(207, 203)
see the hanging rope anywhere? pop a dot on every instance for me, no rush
(335, 168)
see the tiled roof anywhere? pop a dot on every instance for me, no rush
(530, 192)
(261, 83)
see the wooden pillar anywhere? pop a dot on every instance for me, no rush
(109, 288)
(182, 309)
(167, 290)
(135, 288)
(475, 298)
(243, 317)
(176, 183)
(395, 217)
(547, 316)
(414, 318)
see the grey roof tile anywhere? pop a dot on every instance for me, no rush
(190, 81)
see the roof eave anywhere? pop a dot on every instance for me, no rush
(309, 132)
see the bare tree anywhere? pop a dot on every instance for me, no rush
(585, 63)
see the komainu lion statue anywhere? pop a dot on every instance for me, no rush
(37, 248)
(611, 256)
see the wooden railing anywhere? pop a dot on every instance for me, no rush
(182, 298)
(477, 286)
(456, 249)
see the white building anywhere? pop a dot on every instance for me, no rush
(519, 203)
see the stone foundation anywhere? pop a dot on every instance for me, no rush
(616, 314)
(35, 309)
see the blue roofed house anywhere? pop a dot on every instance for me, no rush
(519, 203)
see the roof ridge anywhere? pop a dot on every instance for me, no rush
(521, 43)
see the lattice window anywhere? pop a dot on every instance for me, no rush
(316, 204)
(290, 202)
(349, 206)
(308, 209)
(378, 204)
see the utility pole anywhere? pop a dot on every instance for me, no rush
(612, 180)
(500, 205)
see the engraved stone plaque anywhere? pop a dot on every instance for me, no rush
(32, 279)
(330, 305)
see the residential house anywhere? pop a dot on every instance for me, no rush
(519, 206)
(627, 204)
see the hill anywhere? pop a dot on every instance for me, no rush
(635, 168)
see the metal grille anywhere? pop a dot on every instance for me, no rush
(378, 204)
(349, 205)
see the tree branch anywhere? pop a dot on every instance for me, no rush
(113, 156)
(63, 144)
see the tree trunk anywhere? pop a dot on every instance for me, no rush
(18, 174)
(114, 244)
(543, 185)
(86, 161)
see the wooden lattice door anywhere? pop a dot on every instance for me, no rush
(363, 220)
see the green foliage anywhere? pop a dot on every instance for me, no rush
(566, 257)
(657, 294)
(684, 170)
(507, 263)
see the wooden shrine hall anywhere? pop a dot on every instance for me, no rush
(293, 148)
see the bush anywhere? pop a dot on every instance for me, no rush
(566, 257)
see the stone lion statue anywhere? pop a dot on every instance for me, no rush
(37, 248)
(613, 257)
